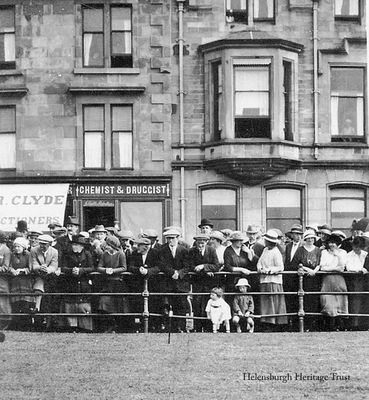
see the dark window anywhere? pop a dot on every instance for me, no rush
(217, 82)
(7, 38)
(287, 103)
(236, 11)
(347, 103)
(111, 26)
(252, 111)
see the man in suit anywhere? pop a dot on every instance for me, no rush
(44, 265)
(204, 262)
(291, 282)
(64, 242)
(173, 262)
(153, 236)
(144, 265)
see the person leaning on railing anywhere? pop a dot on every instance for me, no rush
(333, 259)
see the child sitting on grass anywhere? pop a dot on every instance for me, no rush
(217, 310)
(243, 307)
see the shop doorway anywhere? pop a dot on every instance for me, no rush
(98, 216)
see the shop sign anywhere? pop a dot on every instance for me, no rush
(146, 190)
(39, 205)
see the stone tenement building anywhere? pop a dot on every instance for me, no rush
(161, 112)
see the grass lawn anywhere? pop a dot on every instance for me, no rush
(194, 366)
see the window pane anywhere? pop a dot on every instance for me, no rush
(7, 47)
(7, 119)
(121, 43)
(251, 78)
(93, 19)
(219, 205)
(122, 118)
(347, 80)
(93, 118)
(7, 20)
(283, 208)
(93, 49)
(347, 115)
(347, 7)
(120, 18)
(252, 103)
(94, 149)
(263, 9)
(137, 216)
(7, 150)
(348, 192)
(236, 4)
(122, 149)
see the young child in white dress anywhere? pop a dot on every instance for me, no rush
(218, 310)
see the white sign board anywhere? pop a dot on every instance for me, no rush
(38, 204)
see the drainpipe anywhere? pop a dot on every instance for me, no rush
(315, 88)
(180, 41)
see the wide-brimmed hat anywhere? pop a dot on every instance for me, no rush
(149, 233)
(360, 225)
(113, 242)
(45, 239)
(21, 241)
(78, 239)
(99, 228)
(201, 236)
(312, 226)
(309, 234)
(271, 236)
(279, 232)
(237, 235)
(72, 221)
(252, 229)
(205, 222)
(217, 235)
(171, 233)
(243, 282)
(296, 228)
(339, 233)
(143, 240)
(325, 228)
(22, 226)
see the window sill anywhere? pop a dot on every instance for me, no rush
(106, 71)
(10, 72)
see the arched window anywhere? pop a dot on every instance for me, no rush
(220, 206)
(283, 208)
(347, 204)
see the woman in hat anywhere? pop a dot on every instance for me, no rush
(307, 257)
(111, 265)
(333, 259)
(270, 266)
(21, 281)
(76, 267)
(5, 307)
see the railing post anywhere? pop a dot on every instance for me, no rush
(300, 293)
(146, 313)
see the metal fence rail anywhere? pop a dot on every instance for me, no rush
(145, 294)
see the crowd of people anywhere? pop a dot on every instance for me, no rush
(73, 264)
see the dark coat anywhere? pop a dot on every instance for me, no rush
(168, 265)
(211, 264)
(151, 262)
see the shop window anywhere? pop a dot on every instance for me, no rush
(251, 97)
(263, 10)
(236, 11)
(347, 103)
(7, 38)
(217, 86)
(7, 137)
(107, 36)
(220, 206)
(347, 9)
(101, 122)
(347, 204)
(283, 208)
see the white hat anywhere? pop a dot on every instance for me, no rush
(339, 233)
(45, 239)
(243, 282)
(309, 234)
(171, 233)
(22, 242)
(271, 236)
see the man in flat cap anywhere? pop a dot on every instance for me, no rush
(173, 262)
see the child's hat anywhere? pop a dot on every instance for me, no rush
(243, 282)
